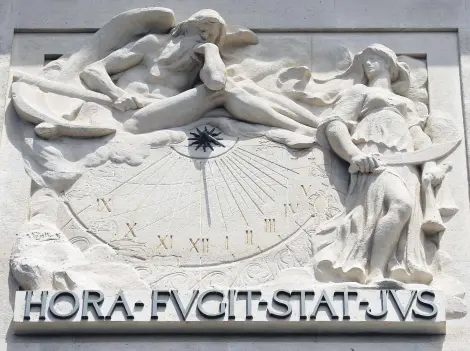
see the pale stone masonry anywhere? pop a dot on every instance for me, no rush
(254, 174)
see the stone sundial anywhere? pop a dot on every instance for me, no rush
(210, 200)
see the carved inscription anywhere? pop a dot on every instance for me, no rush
(163, 242)
(292, 207)
(131, 230)
(200, 245)
(43, 236)
(105, 204)
(269, 225)
(316, 304)
(248, 237)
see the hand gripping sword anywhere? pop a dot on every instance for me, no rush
(432, 222)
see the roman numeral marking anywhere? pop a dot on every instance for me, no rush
(306, 191)
(248, 237)
(164, 243)
(269, 225)
(310, 197)
(131, 229)
(202, 247)
(105, 204)
(293, 209)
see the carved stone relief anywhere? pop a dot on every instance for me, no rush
(195, 155)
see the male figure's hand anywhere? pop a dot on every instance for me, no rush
(127, 102)
(434, 174)
(213, 72)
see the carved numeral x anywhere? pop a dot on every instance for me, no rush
(131, 229)
(105, 203)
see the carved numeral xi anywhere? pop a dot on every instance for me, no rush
(164, 243)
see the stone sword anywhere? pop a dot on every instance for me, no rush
(418, 157)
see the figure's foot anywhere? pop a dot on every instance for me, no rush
(131, 126)
(389, 284)
(355, 274)
(308, 131)
(376, 275)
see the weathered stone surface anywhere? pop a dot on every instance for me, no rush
(273, 206)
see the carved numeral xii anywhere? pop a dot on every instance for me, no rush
(199, 245)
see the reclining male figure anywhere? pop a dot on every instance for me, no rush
(158, 77)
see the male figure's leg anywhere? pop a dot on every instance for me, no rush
(174, 111)
(254, 109)
(281, 104)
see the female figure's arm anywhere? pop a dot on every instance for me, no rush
(348, 109)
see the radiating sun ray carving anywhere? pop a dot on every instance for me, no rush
(179, 194)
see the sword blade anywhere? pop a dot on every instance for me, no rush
(431, 153)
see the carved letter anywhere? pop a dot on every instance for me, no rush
(120, 301)
(384, 310)
(324, 301)
(232, 294)
(56, 297)
(345, 295)
(302, 294)
(206, 314)
(421, 302)
(403, 310)
(156, 302)
(249, 296)
(181, 309)
(94, 299)
(284, 303)
(29, 304)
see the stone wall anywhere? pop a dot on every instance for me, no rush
(441, 28)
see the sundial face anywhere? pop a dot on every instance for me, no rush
(190, 207)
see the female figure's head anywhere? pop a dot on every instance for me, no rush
(206, 24)
(368, 64)
(377, 60)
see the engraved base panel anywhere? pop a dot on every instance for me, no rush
(230, 311)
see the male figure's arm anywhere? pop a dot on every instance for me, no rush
(212, 73)
(431, 172)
